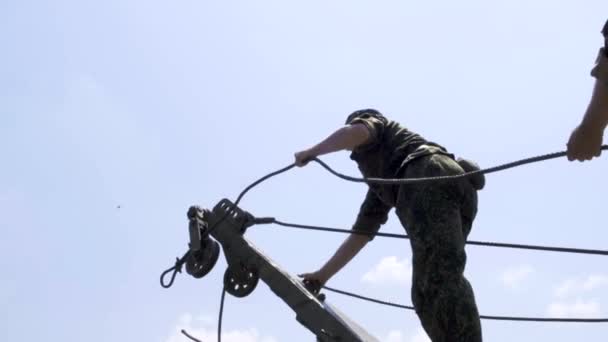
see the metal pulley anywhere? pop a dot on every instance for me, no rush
(204, 251)
(201, 262)
(240, 281)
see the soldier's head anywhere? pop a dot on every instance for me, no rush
(364, 113)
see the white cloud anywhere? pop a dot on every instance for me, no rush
(578, 309)
(399, 336)
(202, 329)
(566, 287)
(576, 286)
(389, 270)
(420, 336)
(514, 277)
(595, 281)
(394, 336)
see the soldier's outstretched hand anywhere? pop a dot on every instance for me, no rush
(314, 281)
(585, 142)
(303, 157)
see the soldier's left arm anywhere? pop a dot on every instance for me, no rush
(346, 138)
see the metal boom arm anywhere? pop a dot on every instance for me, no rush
(247, 264)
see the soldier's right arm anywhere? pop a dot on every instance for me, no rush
(586, 139)
(372, 215)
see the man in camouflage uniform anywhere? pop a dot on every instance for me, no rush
(437, 217)
(586, 139)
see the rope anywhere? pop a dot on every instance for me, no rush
(242, 194)
(496, 318)
(369, 299)
(219, 321)
(190, 336)
(177, 268)
(266, 220)
(445, 178)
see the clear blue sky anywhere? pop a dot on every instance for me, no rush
(157, 105)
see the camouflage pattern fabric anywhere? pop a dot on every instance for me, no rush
(438, 218)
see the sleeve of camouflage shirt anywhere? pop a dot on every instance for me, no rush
(600, 70)
(372, 214)
(374, 126)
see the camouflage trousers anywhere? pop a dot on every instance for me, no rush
(438, 218)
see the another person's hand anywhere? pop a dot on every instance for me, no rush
(314, 281)
(303, 157)
(585, 142)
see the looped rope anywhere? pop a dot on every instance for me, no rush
(177, 268)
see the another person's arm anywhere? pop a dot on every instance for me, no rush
(586, 140)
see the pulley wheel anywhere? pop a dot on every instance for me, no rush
(240, 281)
(201, 262)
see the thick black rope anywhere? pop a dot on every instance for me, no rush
(246, 190)
(265, 220)
(496, 318)
(445, 178)
(219, 321)
(190, 336)
(369, 299)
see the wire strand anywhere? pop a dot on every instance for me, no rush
(485, 317)
(190, 336)
(470, 242)
(221, 315)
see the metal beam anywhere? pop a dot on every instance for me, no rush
(322, 319)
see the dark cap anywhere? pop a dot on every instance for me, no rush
(362, 112)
